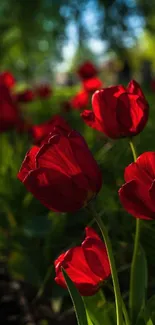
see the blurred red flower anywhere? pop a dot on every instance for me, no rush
(87, 70)
(40, 131)
(137, 195)
(87, 265)
(80, 100)
(43, 91)
(7, 79)
(92, 84)
(25, 96)
(9, 113)
(118, 111)
(62, 172)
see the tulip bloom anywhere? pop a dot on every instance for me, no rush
(118, 111)
(87, 70)
(137, 195)
(40, 131)
(7, 79)
(9, 113)
(25, 96)
(43, 91)
(87, 265)
(92, 84)
(80, 100)
(61, 173)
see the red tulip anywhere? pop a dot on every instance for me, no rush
(9, 113)
(44, 91)
(25, 96)
(62, 172)
(40, 131)
(137, 195)
(87, 265)
(7, 79)
(80, 100)
(118, 111)
(92, 84)
(87, 70)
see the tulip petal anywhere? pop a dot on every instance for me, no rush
(104, 104)
(91, 120)
(39, 132)
(90, 232)
(143, 169)
(132, 114)
(83, 155)
(96, 257)
(44, 184)
(135, 198)
(57, 154)
(28, 164)
(78, 270)
(152, 192)
(134, 88)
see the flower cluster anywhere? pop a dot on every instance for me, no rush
(87, 73)
(60, 171)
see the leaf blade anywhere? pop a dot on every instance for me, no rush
(77, 300)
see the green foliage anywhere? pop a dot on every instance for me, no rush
(138, 293)
(99, 310)
(77, 300)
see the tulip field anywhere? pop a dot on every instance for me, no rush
(77, 207)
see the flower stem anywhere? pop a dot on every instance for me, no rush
(133, 150)
(136, 247)
(133, 266)
(125, 312)
(118, 298)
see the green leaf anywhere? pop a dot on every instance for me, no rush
(144, 317)
(77, 300)
(149, 322)
(89, 319)
(99, 310)
(140, 285)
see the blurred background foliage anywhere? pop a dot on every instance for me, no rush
(33, 34)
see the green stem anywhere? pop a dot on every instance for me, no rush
(118, 298)
(125, 313)
(136, 247)
(133, 150)
(133, 266)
